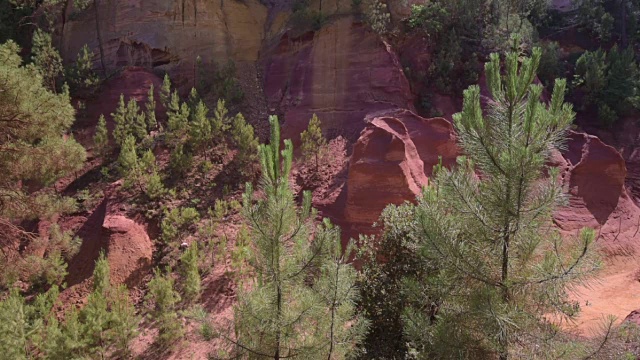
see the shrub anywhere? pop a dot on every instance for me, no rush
(177, 221)
(378, 17)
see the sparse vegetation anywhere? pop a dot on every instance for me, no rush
(182, 229)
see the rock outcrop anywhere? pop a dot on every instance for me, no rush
(392, 161)
(125, 243)
(341, 73)
(594, 176)
(168, 33)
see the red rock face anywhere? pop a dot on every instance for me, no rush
(392, 160)
(133, 83)
(341, 73)
(125, 243)
(595, 176)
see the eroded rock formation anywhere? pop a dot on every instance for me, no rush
(392, 161)
(594, 177)
(168, 33)
(342, 73)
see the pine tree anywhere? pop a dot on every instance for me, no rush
(150, 110)
(83, 80)
(220, 122)
(165, 92)
(46, 58)
(338, 293)
(101, 138)
(191, 273)
(281, 316)
(129, 164)
(313, 141)
(178, 121)
(124, 321)
(387, 259)
(500, 264)
(200, 127)
(247, 145)
(108, 320)
(136, 120)
(119, 117)
(165, 298)
(33, 148)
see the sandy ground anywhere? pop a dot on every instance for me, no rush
(615, 292)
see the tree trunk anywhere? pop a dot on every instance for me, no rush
(99, 34)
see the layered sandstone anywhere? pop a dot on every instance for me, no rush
(168, 33)
(392, 161)
(341, 73)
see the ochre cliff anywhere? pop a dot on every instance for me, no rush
(392, 161)
(341, 73)
(169, 34)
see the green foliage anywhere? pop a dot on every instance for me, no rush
(129, 120)
(164, 297)
(176, 221)
(247, 145)
(21, 324)
(200, 130)
(150, 110)
(226, 85)
(155, 187)
(610, 81)
(165, 92)
(220, 123)
(177, 121)
(430, 17)
(180, 160)
(280, 315)
(108, 320)
(82, 78)
(46, 271)
(378, 16)
(304, 19)
(190, 273)
(499, 265)
(129, 164)
(33, 122)
(550, 66)
(139, 172)
(101, 138)
(595, 19)
(313, 141)
(46, 58)
(387, 260)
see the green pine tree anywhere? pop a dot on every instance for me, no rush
(108, 320)
(281, 316)
(101, 138)
(220, 122)
(136, 120)
(150, 110)
(119, 117)
(46, 58)
(500, 264)
(247, 145)
(177, 121)
(165, 298)
(82, 79)
(33, 148)
(128, 163)
(200, 128)
(313, 141)
(191, 273)
(165, 92)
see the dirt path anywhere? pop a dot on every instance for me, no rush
(616, 292)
